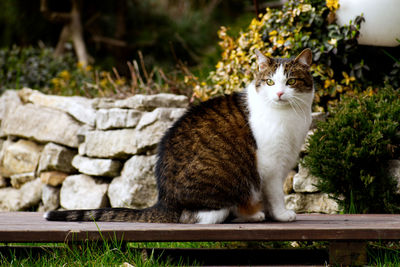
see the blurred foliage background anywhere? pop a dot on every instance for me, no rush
(156, 34)
(161, 29)
(200, 48)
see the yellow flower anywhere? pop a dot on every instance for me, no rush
(280, 42)
(55, 82)
(332, 4)
(347, 79)
(272, 33)
(64, 75)
(369, 91)
(328, 83)
(79, 65)
(103, 83)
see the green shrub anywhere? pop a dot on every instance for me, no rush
(341, 66)
(31, 67)
(350, 152)
(38, 69)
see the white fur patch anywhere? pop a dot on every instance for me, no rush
(212, 216)
(279, 79)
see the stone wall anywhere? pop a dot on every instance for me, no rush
(73, 152)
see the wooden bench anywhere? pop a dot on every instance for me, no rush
(347, 234)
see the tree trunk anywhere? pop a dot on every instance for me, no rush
(72, 30)
(76, 31)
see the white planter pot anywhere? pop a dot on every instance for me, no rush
(382, 20)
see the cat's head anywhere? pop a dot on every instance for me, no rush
(285, 82)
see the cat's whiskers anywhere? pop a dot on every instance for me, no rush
(294, 101)
(300, 99)
(303, 107)
(291, 103)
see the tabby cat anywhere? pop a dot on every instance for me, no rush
(229, 155)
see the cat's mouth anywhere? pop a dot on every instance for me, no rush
(281, 101)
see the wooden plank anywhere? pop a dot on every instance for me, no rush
(31, 227)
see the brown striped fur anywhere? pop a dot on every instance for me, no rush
(206, 161)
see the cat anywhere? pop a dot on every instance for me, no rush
(229, 156)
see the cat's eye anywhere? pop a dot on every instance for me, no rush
(291, 81)
(270, 82)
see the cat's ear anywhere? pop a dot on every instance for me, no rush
(262, 60)
(305, 57)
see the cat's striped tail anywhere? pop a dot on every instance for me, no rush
(156, 214)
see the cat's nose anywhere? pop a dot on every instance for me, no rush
(279, 94)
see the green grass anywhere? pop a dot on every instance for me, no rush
(115, 253)
(384, 254)
(83, 254)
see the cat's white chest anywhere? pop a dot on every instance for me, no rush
(279, 133)
(279, 137)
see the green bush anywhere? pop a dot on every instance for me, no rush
(351, 150)
(37, 68)
(31, 67)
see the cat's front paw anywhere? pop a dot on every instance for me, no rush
(284, 216)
